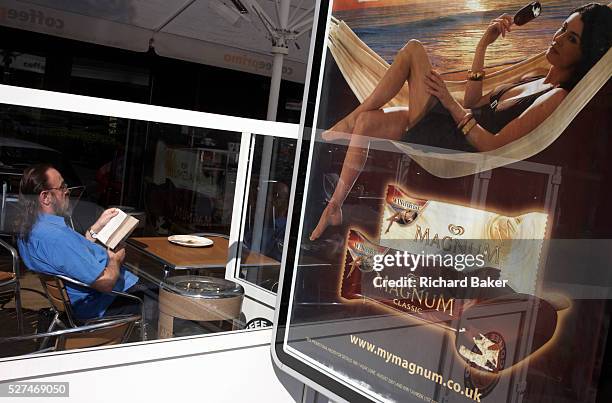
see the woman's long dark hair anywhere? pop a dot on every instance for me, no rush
(595, 40)
(33, 181)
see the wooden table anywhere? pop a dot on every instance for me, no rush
(171, 259)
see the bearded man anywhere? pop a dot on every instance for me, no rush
(47, 245)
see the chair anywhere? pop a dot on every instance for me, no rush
(98, 332)
(56, 293)
(9, 285)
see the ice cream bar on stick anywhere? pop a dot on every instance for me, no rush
(527, 13)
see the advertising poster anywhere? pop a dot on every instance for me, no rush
(454, 239)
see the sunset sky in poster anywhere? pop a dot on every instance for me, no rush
(340, 5)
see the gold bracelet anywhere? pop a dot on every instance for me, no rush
(464, 120)
(468, 126)
(475, 75)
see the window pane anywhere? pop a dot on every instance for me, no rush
(265, 215)
(175, 180)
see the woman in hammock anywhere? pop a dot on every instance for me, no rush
(485, 121)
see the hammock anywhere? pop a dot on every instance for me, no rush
(362, 69)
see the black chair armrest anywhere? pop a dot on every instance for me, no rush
(126, 295)
(113, 292)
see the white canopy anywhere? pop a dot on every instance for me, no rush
(211, 32)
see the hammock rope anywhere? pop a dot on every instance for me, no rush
(362, 69)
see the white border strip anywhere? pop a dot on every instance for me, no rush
(129, 110)
(240, 192)
(48, 364)
(307, 180)
(241, 195)
(239, 217)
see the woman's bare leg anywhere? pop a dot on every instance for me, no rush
(410, 64)
(354, 160)
(377, 124)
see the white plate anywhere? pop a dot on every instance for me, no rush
(190, 241)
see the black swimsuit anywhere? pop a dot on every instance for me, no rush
(438, 128)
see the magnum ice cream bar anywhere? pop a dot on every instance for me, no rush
(412, 283)
(495, 327)
(511, 244)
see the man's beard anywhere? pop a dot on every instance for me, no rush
(60, 208)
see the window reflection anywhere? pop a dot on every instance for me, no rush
(22, 69)
(189, 186)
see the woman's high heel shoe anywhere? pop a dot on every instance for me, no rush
(332, 215)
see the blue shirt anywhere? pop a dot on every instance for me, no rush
(54, 248)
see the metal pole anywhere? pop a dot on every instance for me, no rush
(279, 53)
(279, 50)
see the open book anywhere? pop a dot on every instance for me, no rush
(117, 229)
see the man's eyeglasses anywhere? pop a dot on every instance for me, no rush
(63, 188)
